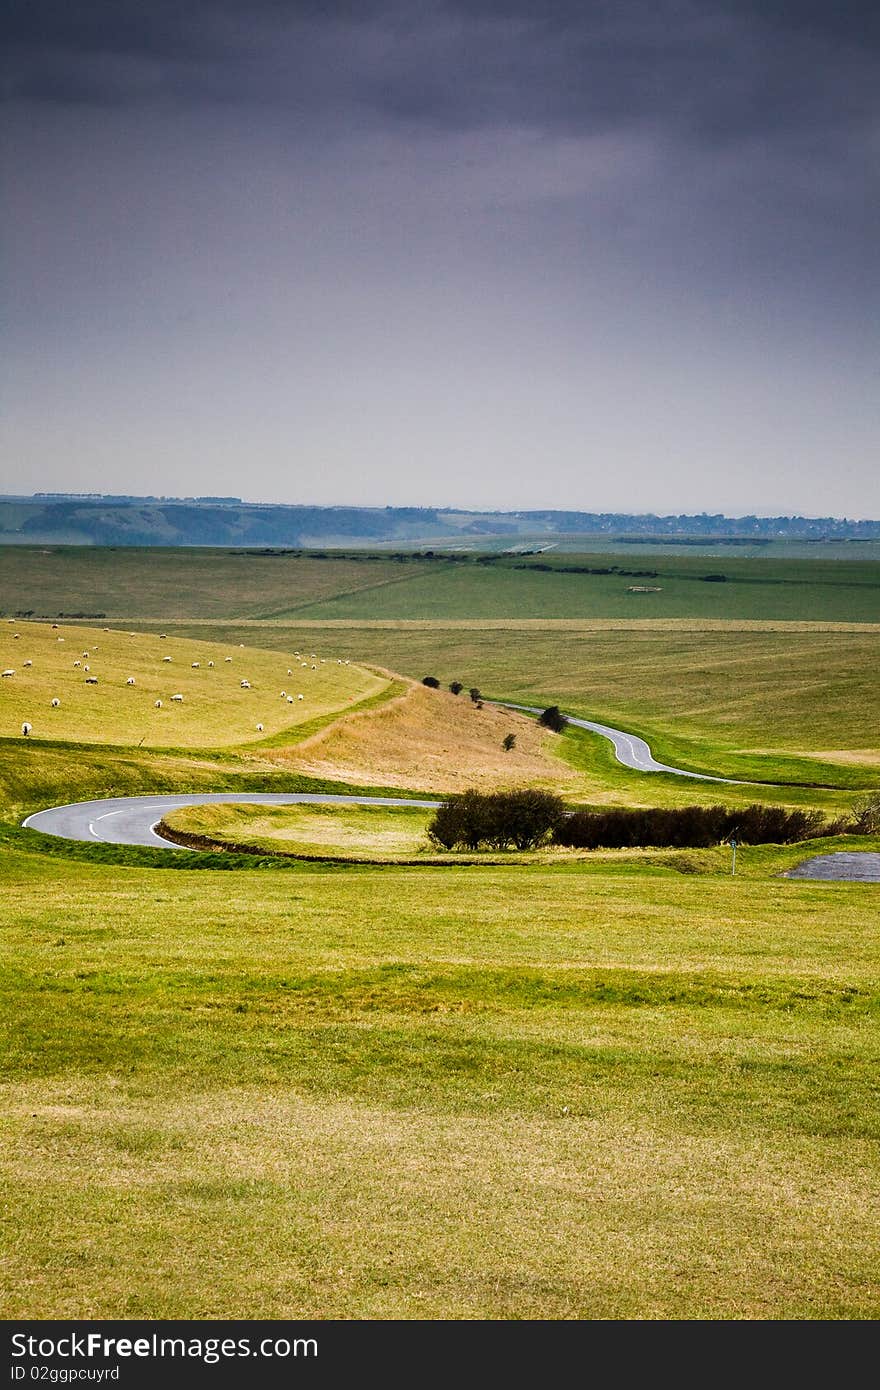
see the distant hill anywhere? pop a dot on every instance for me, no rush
(74, 519)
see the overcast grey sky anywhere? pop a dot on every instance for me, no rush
(608, 256)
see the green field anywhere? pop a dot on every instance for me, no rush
(128, 584)
(620, 1085)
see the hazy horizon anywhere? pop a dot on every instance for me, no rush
(489, 255)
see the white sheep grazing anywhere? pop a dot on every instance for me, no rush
(55, 703)
(245, 685)
(27, 663)
(259, 728)
(87, 668)
(289, 672)
(195, 665)
(26, 728)
(9, 672)
(158, 704)
(304, 663)
(91, 680)
(284, 694)
(227, 658)
(162, 635)
(166, 658)
(290, 699)
(59, 639)
(86, 656)
(210, 663)
(314, 668)
(16, 636)
(299, 697)
(130, 681)
(177, 697)
(77, 663)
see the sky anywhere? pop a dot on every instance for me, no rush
(615, 256)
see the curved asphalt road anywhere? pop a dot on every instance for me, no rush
(630, 750)
(132, 820)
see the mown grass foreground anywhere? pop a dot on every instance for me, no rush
(438, 1093)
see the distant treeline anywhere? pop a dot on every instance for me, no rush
(226, 521)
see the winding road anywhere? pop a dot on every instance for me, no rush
(132, 820)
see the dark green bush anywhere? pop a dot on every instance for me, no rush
(553, 718)
(496, 820)
(431, 681)
(689, 827)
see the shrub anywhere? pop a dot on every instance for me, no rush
(498, 820)
(508, 742)
(688, 827)
(431, 681)
(866, 816)
(475, 694)
(456, 687)
(553, 718)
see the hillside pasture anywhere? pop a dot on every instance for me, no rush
(215, 711)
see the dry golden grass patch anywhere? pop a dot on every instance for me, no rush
(434, 741)
(257, 1204)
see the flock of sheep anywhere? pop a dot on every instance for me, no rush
(83, 663)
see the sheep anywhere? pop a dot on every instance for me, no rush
(158, 704)
(77, 663)
(10, 672)
(289, 672)
(130, 681)
(259, 728)
(284, 694)
(85, 656)
(178, 698)
(210, 663)
(314, 668)
(303, 663)
(162, 636)
(26, 728)
(290, 699)
(28, 663)
(87, 668)
(55, 703)
(59, 639)
(245, 685)
(195, 665)
(299, 697)
(54, 626)
(227, 658)
(91, 680)
(166, 658)
(16, 636)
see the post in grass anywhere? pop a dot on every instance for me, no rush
(733, 856)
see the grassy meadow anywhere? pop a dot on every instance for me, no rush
(50, 662)
(606, 1085)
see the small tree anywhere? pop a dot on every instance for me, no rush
(475, 695)
(456, 687)
(431, 681)
(508, 742)
(553, 718)
(866, 815)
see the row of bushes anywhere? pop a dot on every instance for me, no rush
(526, 819)
(691, 827)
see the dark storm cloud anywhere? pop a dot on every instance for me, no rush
(711, 71)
